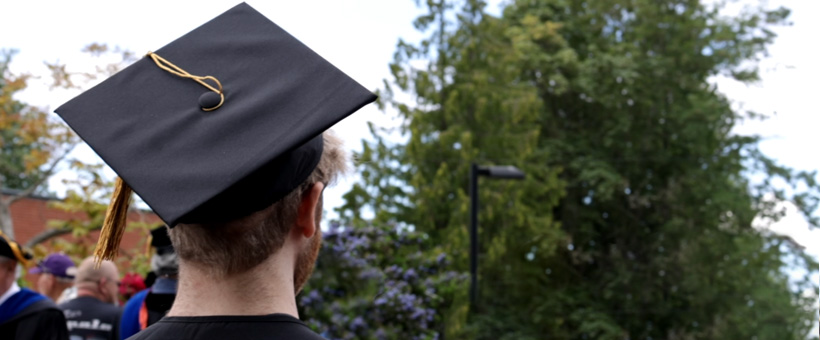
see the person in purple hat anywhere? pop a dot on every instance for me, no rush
(56, 275)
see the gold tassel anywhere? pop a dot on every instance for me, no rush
(114, 224)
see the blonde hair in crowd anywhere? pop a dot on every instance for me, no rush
(239, 245)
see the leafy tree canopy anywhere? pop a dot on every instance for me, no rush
(635, 219)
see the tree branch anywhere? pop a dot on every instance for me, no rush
(50, 234)
(45, 175)
(3, 199)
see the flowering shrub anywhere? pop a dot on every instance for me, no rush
(378, 283)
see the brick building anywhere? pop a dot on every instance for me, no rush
(31, 216)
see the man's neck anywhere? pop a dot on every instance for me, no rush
(81, 292)
(54, 296)
(9, 290)
(55, 291)
(265, 289)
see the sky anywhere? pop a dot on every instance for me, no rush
(359, 37)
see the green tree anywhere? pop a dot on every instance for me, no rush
(32, 143)
(635, 220)
(88, 192)
(86, 200)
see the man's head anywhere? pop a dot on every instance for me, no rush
(56, 274)
(11, 253)
(202, 162)
(292, 223)
(101, 282)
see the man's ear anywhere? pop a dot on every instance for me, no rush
(306, 222)
(50, 280)
(101, 285)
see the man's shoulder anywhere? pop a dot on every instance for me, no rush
(46, 311)
(43, 309)
(26, 304)
(82, 302)
(273, 327)
(42, 305)
(39, 318)
(89, 308)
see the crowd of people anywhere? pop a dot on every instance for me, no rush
(83, 302)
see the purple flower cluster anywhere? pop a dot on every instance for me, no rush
(378, 283)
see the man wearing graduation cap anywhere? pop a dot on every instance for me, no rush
(222, 133)
(24, 314)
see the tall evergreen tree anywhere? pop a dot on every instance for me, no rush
(635, 220)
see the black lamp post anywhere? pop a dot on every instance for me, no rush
(506, 172)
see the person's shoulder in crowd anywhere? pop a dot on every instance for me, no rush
(86, 302)
(86, 314)
(41, 319)
(93, 314)
(268, 327)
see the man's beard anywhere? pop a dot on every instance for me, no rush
(306, 261)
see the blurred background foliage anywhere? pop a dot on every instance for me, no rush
(34, 145)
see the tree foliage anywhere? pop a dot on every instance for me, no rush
(635, 220)
(85, 201)
(32, 143)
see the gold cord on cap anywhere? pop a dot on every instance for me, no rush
(114, 223)
(176, 70)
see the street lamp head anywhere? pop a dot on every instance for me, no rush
(502, 171)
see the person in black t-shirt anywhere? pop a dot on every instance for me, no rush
(93, 314)
(237, 176)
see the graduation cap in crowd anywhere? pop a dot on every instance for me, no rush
(164, 261)
(13, 250)
(160, 240)
(218, 124)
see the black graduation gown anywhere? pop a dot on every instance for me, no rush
(40, 320)
(269, 327)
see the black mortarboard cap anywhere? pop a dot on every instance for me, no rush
(195, 166)
(159, 237)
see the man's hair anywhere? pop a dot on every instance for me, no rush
(89, 271)
(239, 245)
